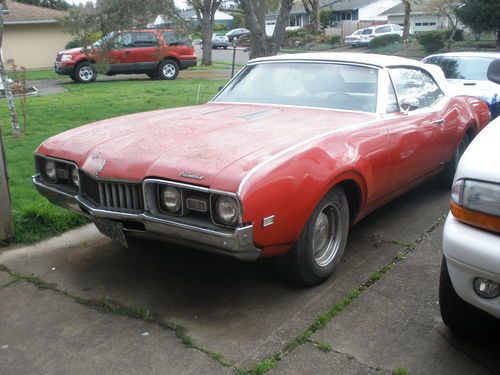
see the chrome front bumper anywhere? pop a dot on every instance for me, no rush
(237, 244)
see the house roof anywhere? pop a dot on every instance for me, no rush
(20, 13)
(399, 10)
(336, 5)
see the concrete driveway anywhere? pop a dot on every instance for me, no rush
(81, 304)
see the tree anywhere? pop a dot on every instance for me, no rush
(6, 223)
(205, 13)
(255, 12)
(407, 7)
(85, 21)
(53, 4)
(481, 16)
(448, 9)
(312, 10)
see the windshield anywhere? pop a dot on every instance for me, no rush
(309, 84)
(473, 68)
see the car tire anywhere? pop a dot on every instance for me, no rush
(457, 314)
(225, 47)
(152, 75)
(84, 73)
(168, 70)
(445, 178)
(320, 246)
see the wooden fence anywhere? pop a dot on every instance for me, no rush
(345, 28)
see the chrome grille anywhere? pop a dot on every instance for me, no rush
(113, 196)
(58, 57)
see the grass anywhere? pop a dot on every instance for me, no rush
(34, 217)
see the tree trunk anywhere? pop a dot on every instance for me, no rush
(16, 130)
(312, 10)
(498, 40)
(6, 223)
(406, 32)
(206, 36)
(255, 11)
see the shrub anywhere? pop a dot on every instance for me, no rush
(384, 40)
(459, 34)
(219, 27)
(432, 41)
(75, 43)
(325, 17)
(336, 39)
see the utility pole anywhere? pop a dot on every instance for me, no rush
(6, 223)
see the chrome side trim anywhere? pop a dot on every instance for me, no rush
(236, 243)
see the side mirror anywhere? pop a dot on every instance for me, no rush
(410, 104)
(494, 71)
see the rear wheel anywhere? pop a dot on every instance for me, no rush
(445, 179)
(84, 73)
(314, 256)
(168, 70)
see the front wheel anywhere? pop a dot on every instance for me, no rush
(320, 246)
(168, 70)
(84, 73)
(457, 314)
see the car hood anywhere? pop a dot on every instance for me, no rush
(486, 90)
(480, 160)
(202, 141)
(71, 51)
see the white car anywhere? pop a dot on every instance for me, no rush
(469, 290)
(363, 37)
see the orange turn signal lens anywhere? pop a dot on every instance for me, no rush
(476, 219)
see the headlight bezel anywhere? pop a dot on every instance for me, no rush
(62, 168)
(468, 200)
(216, 214)
(161, 204)
(66, 57)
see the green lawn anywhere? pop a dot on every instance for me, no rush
(35, 218)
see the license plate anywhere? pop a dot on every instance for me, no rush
(112, 229)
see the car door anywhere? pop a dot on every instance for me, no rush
(121, 59)
(415, 133)
(146, 51)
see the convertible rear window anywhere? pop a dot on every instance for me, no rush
(323, 85)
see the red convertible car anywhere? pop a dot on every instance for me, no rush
(287, 156)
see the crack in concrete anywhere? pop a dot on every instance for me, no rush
(463, 351)
(111, 306)
(350, 357)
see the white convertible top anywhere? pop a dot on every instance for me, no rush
(380, 61)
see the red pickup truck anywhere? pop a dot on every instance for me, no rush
(159, 53)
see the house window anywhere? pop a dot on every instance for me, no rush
(418, 23)
(294, 21)
(432, 23)
(343, 16)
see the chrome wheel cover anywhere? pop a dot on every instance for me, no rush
(86, 73)
(327, 235)
(168, 70)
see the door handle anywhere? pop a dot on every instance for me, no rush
(439, 121)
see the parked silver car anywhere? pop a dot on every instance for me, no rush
(364, 36)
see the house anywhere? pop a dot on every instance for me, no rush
(421, 18)
(33, 35)
(190, 16)
(342, 10)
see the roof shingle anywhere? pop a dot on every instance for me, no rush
(20, 13)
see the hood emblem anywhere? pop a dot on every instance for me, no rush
(100, 167)
(186, 174)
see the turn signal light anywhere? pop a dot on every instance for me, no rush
(476, 219)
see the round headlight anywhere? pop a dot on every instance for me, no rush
(50, 170)
(170, 198)
(227, 210)
(75, 178)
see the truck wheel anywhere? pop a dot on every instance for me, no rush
(457, 314)
(318, 250)
(152, 75)
(84, 73)
(168, 70)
